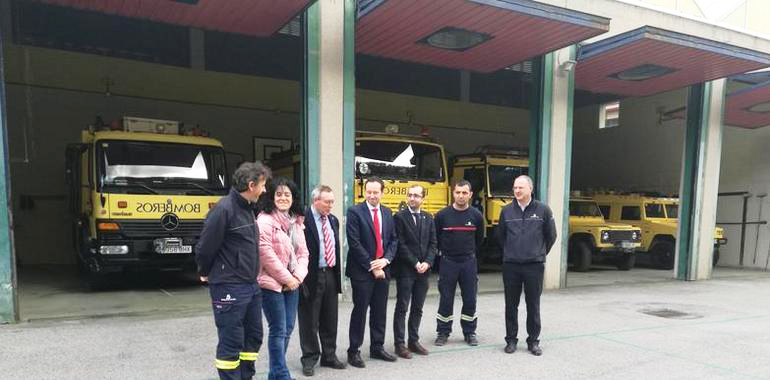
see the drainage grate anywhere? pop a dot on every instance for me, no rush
(670, 313)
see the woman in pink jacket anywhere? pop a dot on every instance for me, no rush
(283, 259)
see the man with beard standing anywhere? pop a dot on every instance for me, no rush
(459, 230)
(526, 232)
(411, 268)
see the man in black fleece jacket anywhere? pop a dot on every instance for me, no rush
(526, 231)
(227, 255)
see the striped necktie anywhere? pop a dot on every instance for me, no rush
(328, 244)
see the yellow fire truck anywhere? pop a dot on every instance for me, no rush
(138, 194)
(491, 171)
(400, 160)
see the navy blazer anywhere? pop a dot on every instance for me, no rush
(361, 241)
(316, 250)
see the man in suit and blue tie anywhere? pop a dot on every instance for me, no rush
(318, 302)
(411, 268)
(372, 246)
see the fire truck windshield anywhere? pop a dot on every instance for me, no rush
(158, 165)
(399, 160)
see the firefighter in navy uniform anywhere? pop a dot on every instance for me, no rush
(459, 230)
(228, 259)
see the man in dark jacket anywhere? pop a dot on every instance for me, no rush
(227, 255)
(411, 268)
(318, 303)
(526, 232)
(372, 244)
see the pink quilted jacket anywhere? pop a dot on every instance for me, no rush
(274, 249)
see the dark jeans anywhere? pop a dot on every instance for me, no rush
(453, 272)
(280, 312)
(372, 295)
(528, 276)
(318, 319)
(408, 289)
(238, 317)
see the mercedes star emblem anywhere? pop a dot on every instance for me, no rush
(169, 221)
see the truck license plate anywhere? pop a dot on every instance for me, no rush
(171, 246)
(626, 245)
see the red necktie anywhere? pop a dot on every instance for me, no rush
(328, 249)
(377, 234)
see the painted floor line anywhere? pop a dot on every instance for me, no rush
(731, 371)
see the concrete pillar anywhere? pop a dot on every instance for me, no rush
(551, 151)
(8, 301)
(700, 181)
(329, 130)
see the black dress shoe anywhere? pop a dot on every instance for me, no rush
(334, 363)
(417, 348)
(471, 339)
(308, 370)
(534, 348)
(510, 348)
(382, 355)
(441, 340)
(355, 360)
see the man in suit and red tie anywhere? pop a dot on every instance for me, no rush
(411, 268)
(318, 296)
(372, 246)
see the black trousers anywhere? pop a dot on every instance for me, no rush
(317, 314)
(369, 295)
(408, 289)
(453, 272)
(528, 276)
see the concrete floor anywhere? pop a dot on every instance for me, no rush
(658, 328)
(55, 292)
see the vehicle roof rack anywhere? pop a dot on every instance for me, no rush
(503, 149)
(403, 135)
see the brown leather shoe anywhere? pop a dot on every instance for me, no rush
(403, 352)
(417, 348)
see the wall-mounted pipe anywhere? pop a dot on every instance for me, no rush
(759, 217)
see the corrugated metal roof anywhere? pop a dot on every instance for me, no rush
(519, 30)
(693, 60)
(248, 17)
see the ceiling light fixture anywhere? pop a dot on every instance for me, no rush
(451, 38)
(643, 72)
(760, 108)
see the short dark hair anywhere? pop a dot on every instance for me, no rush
(375, 179)
(422, 189)
(266, 201)
(462, 182)
(249, 172)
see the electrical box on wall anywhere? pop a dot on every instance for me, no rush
(139, 124)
